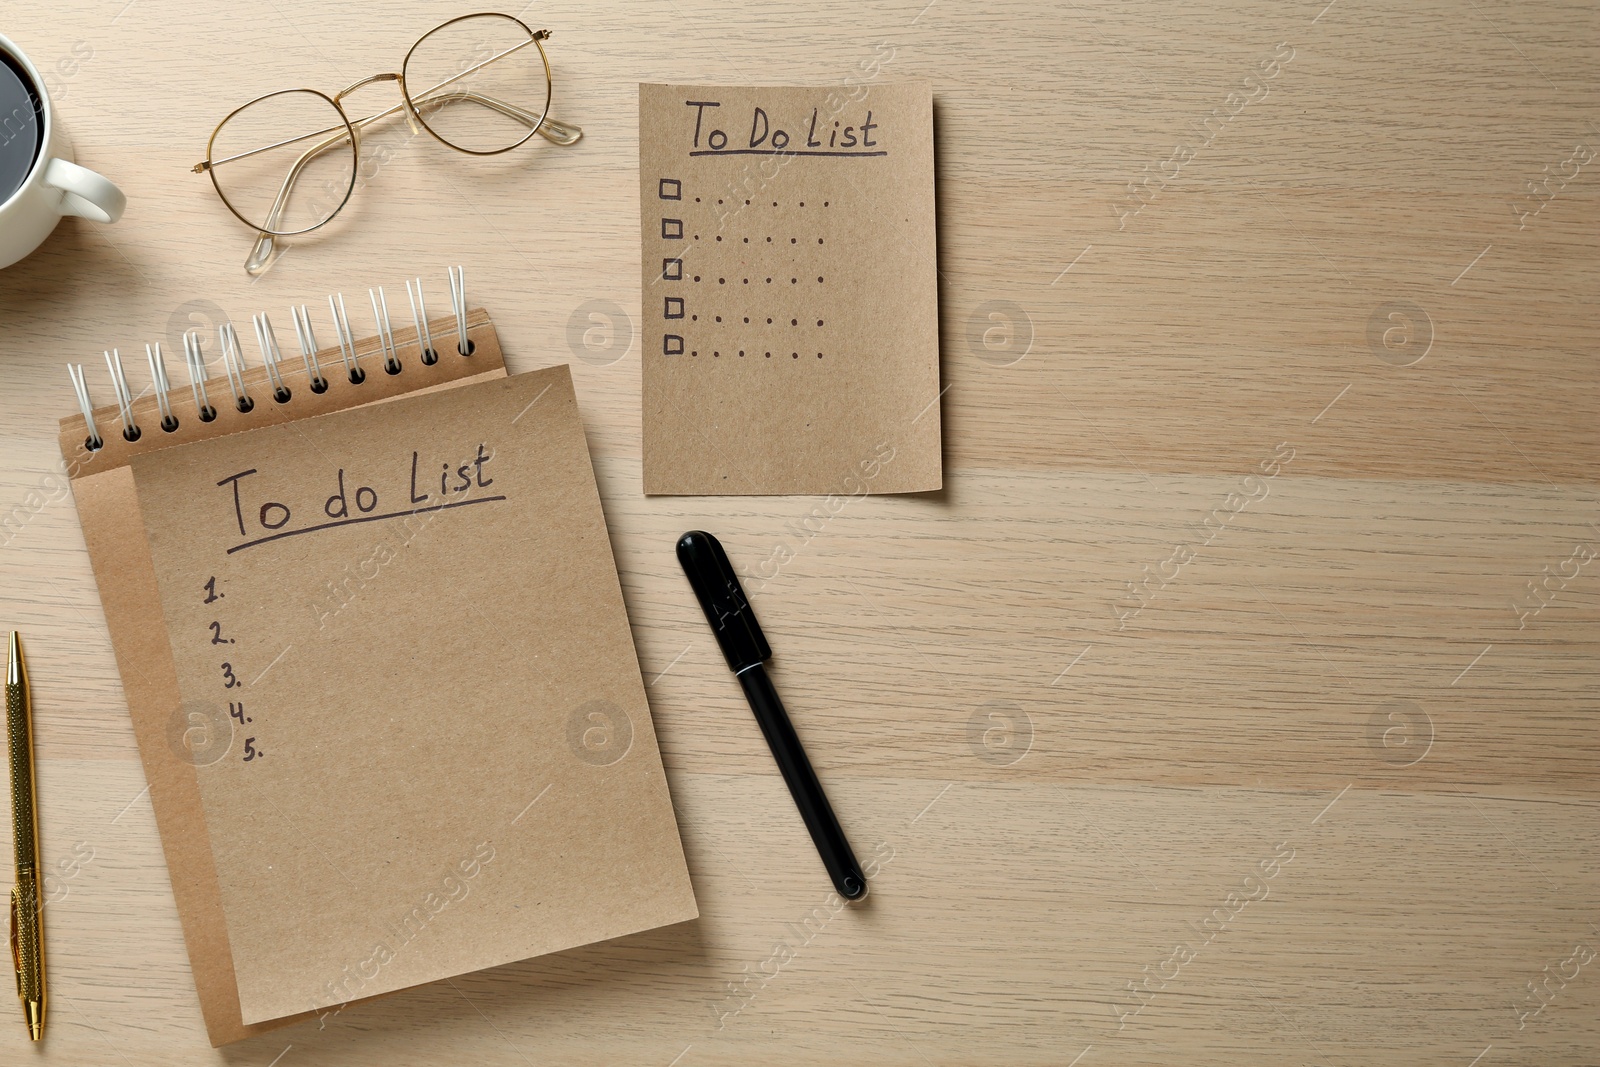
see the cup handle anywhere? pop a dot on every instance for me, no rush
(84, 192)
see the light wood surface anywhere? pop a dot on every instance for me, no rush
(1336, 669)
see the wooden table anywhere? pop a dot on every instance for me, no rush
(1234, 702)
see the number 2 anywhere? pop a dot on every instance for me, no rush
(216, 635)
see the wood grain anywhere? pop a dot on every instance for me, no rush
(1059, 790)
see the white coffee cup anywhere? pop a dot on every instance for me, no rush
(55, 186)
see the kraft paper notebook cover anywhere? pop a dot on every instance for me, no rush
(413, 796)
(177, 739)
(789, 289)
(171, 744)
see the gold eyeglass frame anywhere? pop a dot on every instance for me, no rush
(560, 133)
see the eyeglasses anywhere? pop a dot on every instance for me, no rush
(472, 82)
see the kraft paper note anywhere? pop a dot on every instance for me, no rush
(789, 289)
(407, 620)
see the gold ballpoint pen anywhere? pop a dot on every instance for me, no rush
(27, 923)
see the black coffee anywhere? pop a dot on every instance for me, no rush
(21, 126)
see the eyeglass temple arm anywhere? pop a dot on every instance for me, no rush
(261, 254)
(557, 132)
(552, 130)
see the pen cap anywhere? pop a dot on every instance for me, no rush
(722, 599)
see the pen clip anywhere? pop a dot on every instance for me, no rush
(716, 586)
(16, 948)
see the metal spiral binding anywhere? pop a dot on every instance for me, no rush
(234, 364)
(270, 355)
(308, 348)
(347, 343)
(158, 377)
(130, 428)
(380, 311)
(194, 359)
(94, 442)
(419, 316)
(458, 301)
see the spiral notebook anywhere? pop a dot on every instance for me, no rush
(378, 665)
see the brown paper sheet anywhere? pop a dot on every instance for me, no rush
(410, 619)
(789, 289)
(169, 744)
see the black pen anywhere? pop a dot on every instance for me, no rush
(745, 647)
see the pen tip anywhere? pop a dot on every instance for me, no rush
(14, 659)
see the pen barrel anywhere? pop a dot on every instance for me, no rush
(826, 833)
(19, 753)
(27, 933)
(28, 937)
